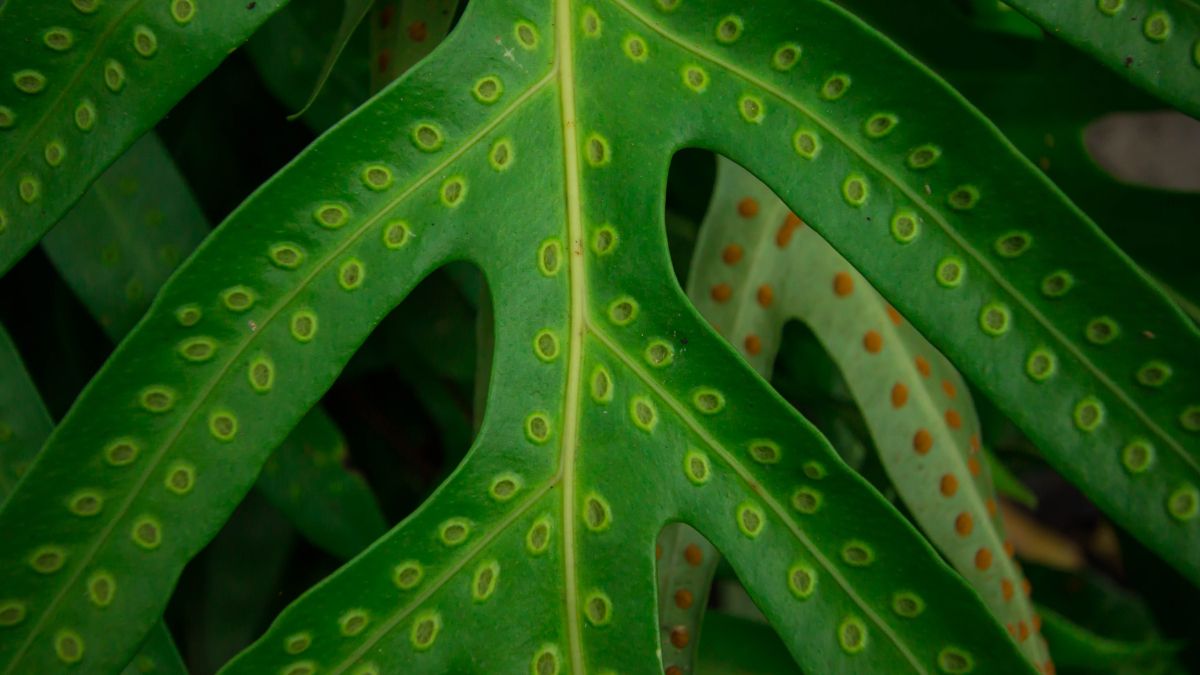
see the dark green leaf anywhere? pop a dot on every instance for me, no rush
(83, 79)
(1074, 326)
(1002, 77)
(24, 426)
(604, 474)
(997, 16)
(1008, 484)
(158, 655)
(24, 422)
(1155, 44)
(735, 646)
(353, 13)
(1076, 647)
(236, 582)
(115, 249)
(126, 235)
(288, 52)
(306, 479)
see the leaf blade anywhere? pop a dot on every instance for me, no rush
(25, 424)
(1082, 648)
(306, 479)
(772, 269)
(738, 646)
(85, 102)
(345, 229)
(115, 249)
(125, 236)
(353, 14)
(952, 316)
(158, 655)
(164, 327)
(24, 421)
(1154, 45)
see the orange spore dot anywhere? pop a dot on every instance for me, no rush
(732, 254)
(922, 441)
(683, 598)
(953, 419)
(693, 555)
(790, 225)
(748, 208)
(923, 366)
(843, 284)
(899, 395)
(948, 485)
(894, 316)
(722, 292)
(765, 295)
(385, 16)
(973, 466)
(983, 559)
(963, 524)
(417, 31)
(753, 345)
(1006, 589)
(680, 637)
(873, 341)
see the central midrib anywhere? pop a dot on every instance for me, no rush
(578, 289)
